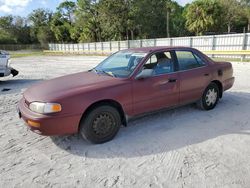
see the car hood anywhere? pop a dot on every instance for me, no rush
(70, 84)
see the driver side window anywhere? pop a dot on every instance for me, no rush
(151, 63)
(160, 63)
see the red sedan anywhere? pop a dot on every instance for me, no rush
(128, 83)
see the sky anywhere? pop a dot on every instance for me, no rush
(24, 7)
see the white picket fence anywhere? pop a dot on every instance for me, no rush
(231, 42)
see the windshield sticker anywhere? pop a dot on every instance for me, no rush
(139, 54)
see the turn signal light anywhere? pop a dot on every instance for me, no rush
(33, 123)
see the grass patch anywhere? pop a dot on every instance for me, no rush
(231, 59)
(26, 54)
(17, 54)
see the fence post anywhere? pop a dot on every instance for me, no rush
(171, 42)
(155, 42)
(244, 45)
(110, 46)
(213, 42)
(191, 42)
(213, 45)
(119, 45)
(89, 47)
(141, 43)
(102, 47)
(128, 44)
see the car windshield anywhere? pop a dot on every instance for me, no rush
(120, 64)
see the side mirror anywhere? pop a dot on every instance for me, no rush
(146, 73)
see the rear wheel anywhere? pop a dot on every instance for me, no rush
(101, 124)
(210, 97)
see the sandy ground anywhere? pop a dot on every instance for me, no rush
(184, 147)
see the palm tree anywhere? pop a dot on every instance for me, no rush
(202, 16)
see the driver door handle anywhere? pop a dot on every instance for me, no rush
(172, 80)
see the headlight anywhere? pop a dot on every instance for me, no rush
(45, 108)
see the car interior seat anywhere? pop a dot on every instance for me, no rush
(164, 65)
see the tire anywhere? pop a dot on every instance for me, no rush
(101, 124)
(209, 98)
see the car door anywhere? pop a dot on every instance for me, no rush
(159, 91)
(194, 75)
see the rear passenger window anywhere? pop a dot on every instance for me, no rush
(199, 60)
(187, 60)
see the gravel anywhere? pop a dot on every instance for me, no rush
(183, 147)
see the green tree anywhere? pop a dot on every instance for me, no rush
(246, 9)
(14, 29)
(21, 30)
(151, 18)
(40, 20)
(61, 28)
(67, 9)
(176, 22)
(113, 19)
(62, 23)
(203, 16)
(231, 13)
(6, 36)
(87, 21)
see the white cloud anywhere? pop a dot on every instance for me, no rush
(15, 3)
(8, 6)
(44, 2)
(5, 9)
(184, 2)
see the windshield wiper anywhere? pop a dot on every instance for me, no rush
(108, 73)
(94, 69)
(103, 71)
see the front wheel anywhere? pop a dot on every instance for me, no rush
(210, 97)
(101, 124)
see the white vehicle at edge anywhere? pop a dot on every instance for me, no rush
(5, 68)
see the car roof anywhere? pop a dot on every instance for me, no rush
(157, 48)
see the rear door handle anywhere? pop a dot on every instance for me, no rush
(206, 74)
(171, 80)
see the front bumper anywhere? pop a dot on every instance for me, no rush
(14, 72)
(8, 71)
(48, 125)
